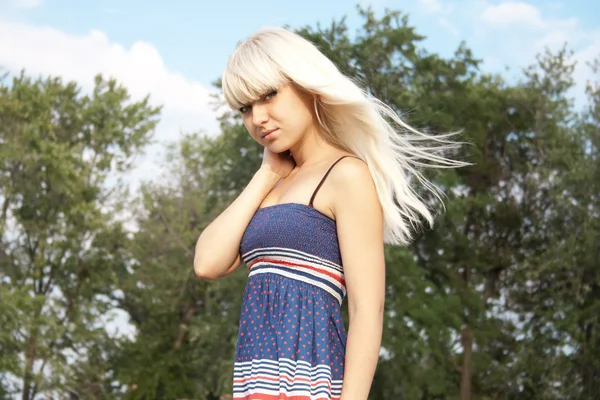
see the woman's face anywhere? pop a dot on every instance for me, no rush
(280, 118)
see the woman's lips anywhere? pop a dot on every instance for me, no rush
(269, 134)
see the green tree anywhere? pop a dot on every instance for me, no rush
(59, 250)
(557, 290)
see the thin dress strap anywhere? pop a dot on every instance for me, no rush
(323, 179)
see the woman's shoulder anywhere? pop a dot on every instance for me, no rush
(354, 190)
(350, 167)
(351, 177)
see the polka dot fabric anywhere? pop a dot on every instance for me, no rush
(291, 340)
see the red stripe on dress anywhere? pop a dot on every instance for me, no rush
(281, 396)
(290, 264)
(287, 378)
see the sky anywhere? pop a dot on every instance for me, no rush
(174, 50)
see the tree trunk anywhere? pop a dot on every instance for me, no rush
(29, 360)
(467, 345)
(465, 376)
(183, 326)
(589, 369)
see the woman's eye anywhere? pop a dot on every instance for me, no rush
(270, 95)
(244, 109)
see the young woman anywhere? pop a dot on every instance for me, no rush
(311, 224)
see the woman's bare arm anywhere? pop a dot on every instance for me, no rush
(217, 248)
(359, 220)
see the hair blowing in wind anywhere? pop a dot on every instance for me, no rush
(349, 118)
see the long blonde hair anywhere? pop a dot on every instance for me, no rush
(349, 118)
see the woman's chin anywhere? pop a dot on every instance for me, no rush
(275, 148)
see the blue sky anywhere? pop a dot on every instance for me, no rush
(175, 49)
(195, 37)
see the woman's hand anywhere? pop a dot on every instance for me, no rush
(281, 164)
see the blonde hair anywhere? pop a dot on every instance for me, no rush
(349, 118)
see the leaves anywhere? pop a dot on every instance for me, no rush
(59, 248)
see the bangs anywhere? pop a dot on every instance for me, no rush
(251, 73)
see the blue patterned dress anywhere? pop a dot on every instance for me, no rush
(291, 341)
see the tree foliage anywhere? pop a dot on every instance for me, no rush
(59, 250)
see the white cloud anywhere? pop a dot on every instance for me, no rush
(520, 16)
(434, 6)
(43, 50)
(510, 13)
(27, 4)
(48, 51)
(525, 31)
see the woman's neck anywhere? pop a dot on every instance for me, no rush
(312, 149)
